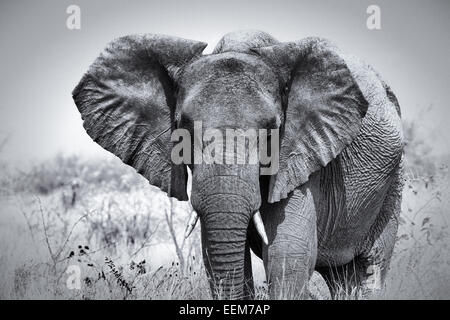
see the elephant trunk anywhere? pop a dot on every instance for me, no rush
(223, 256)
(225, 203)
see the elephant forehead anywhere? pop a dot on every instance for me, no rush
(231, 109)
(229, 89)
(229, 76)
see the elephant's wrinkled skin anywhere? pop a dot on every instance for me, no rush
(334, 203)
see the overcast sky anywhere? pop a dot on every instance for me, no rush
(41, 60)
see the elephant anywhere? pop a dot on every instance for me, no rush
(332, 206)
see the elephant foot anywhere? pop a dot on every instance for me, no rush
(353, 281)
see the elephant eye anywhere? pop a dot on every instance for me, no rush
(270, 124)
(184, 120)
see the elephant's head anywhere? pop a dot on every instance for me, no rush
(142, 88)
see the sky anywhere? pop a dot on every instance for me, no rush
(41, 60)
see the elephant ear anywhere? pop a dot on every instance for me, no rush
(127, 102)
(324, 110)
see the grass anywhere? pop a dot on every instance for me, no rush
(105, 223)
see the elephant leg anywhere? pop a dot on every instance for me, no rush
(249, 288)
(366, 274)
(377, 257)
(290, 257)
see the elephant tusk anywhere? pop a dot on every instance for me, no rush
(191, 224)
(260, 226)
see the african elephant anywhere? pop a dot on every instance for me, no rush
(333, 204)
